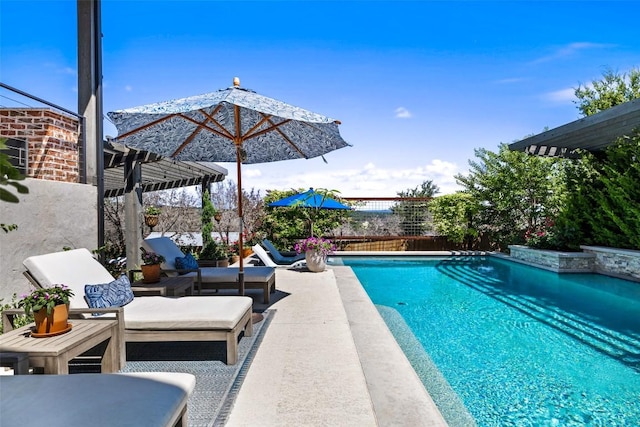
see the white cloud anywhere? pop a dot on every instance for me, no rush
(366, 181)
(403, 113)
(563, 95)
(511, 80)
(569, 50)
(251, 172)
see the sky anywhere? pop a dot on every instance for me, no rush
(417, 85)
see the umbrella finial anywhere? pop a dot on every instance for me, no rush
(236, 82)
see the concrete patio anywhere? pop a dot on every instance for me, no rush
(328, 358)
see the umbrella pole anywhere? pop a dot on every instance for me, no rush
(241, 220)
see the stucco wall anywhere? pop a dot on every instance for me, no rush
(52, 216)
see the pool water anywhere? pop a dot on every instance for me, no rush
(520, 346)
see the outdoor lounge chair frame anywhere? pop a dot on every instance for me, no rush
(268, 286)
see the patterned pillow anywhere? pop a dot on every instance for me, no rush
(188, 262)
(115, 294)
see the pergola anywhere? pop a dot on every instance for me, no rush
(156, 172)
(593, 133)
(130, 173)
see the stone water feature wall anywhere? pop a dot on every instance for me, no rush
(560, 262)
(622, 263)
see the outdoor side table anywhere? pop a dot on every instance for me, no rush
(54, 353)
(167, 287)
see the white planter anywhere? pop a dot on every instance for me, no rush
(316, 261)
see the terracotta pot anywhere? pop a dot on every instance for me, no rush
(150, 273)
(246, 252)
(234, 258)
(222, 262)
(316, 261)
(55, 322)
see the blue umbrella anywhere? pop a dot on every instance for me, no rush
(309, 199)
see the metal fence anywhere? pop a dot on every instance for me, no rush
(393, 224)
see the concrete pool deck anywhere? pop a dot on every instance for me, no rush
(328, 358)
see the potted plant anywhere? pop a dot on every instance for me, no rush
(50, 307)
(316, 250)
(214, 254)
(152, 216)
(234, 252)
(151, 266)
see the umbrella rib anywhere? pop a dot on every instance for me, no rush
(274, 127)
(190, 137)
(204, 125)
(286, 138)
(143, 127)
(211, 117)
(249, 133)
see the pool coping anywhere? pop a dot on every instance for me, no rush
(398, 396)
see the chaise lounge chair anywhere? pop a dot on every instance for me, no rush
(149, 318)
(264, 257)
(213, 277)
(278, 257)
(140, 399)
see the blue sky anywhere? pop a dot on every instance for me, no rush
(417, 85)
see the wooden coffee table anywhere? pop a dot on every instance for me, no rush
(167, 287)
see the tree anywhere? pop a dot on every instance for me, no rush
(225, 198)
(613, 89)
(517, 193)
(207, 214)
(414, 215)
(603, 197)
(455, 216)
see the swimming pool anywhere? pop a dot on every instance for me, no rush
(512, 344)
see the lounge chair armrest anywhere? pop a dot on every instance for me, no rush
(77, 312)
(8, 314)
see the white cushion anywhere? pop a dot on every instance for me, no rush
(161, 313)
(74, 268)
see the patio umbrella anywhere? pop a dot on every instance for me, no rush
(229, 125)
(310, 199)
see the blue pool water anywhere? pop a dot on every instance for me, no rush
(519, 346)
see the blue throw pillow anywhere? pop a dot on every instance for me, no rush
(115, 294)
(188, 262)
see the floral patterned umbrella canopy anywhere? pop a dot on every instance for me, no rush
(229, 125)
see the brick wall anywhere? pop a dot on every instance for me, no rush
(52, 140)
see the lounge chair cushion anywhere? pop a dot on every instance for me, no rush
(97, 400)
(71, 268)
(193, 313)
(187, 262)
(117, 293)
